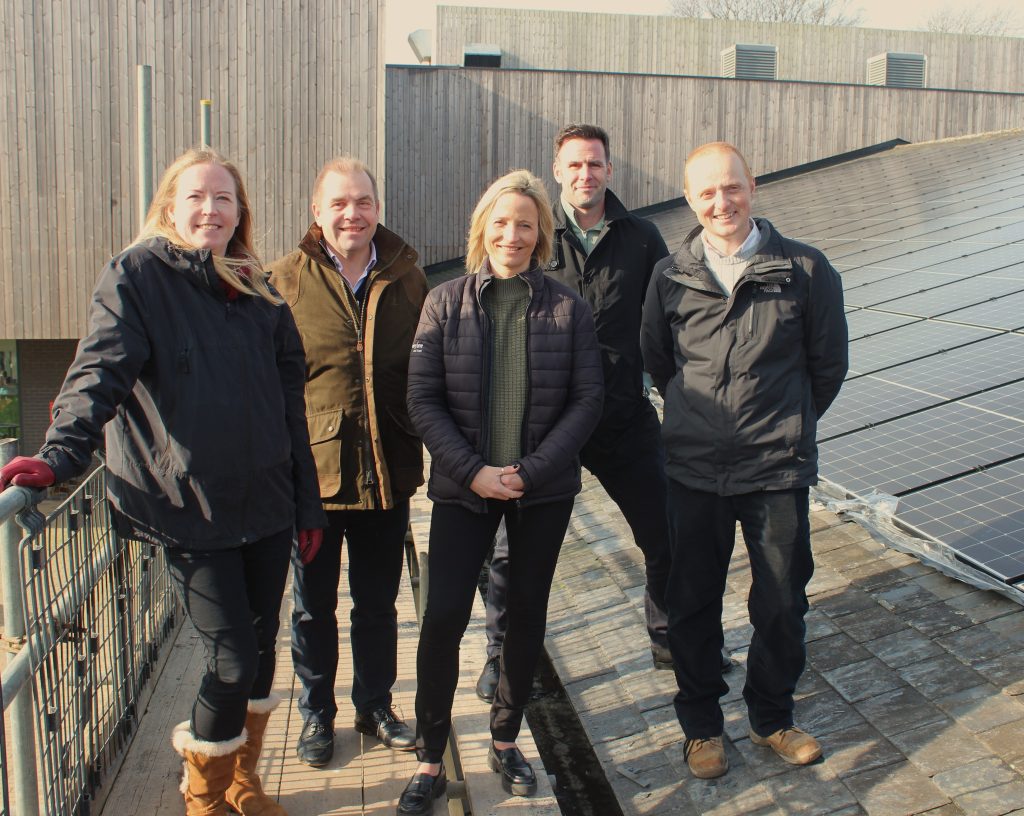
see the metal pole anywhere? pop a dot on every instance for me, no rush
(144, 103)
(23, 760)
(205, 106)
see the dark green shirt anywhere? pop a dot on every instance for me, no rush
(506, 301)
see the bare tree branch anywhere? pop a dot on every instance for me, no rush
(818, 12)
(999, 22)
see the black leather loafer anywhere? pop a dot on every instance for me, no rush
(662, 657)
(487, 685)
(385, 726)
(316, 744)
(517, 777)
(418, 797)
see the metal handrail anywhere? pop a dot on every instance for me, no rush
(93, 610)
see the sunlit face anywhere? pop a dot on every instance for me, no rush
(347, 211)
(511, 233)
(583, 170)
(205, 210)
(720, 192)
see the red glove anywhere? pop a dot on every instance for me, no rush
(26, 471)
(309, 544)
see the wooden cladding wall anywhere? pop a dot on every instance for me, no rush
(451, 131)
(291, 84)
(647, 44)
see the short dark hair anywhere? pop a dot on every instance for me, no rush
(582, 131)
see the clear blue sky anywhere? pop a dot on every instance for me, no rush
(405, 16)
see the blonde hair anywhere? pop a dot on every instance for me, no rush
(343, 165)
(524, 183)
(239, 267)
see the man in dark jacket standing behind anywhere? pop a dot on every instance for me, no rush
(744, 335)
(356, 293)
(607, 255)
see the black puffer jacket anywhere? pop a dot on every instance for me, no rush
(448, 376)
(745, 377)
(202, 401)
(613, 281)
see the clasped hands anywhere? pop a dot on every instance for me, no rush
(493, 482)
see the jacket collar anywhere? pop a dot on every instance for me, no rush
(613, 209)
(688, 265)
(195, 265)
(390, 247)
(534, 276)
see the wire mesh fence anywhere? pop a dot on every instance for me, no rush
(98, 609)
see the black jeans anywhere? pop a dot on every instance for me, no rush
(233, 598)
(459, 541)
(376, 547)
(631, 469)
(776, 531)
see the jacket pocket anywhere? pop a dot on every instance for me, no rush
(325, 441)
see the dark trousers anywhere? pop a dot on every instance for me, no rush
(631, 469)
(233, 598)
(776, 531)
(376, 547)
(459, 541)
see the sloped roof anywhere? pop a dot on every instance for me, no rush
(929, 240)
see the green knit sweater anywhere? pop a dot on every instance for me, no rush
(505, 301)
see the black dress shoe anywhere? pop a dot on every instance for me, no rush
(385, 726)
(517, 777)
(487, 685)
(418, 797)
(316, 744)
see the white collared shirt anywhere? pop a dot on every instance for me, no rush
(340, 267)
(728, 269)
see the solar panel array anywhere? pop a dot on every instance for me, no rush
(929, 240)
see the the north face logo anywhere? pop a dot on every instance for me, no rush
(771, 288)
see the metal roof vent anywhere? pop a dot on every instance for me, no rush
(481, 55)
(746, 61)
(897, 70)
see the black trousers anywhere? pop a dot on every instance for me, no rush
(776, 531)
(233, 598)
(459, 541)
(631, 469)
(376, 547)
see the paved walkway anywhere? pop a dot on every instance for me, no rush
(915, 685)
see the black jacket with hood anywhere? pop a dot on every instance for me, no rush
(201, 398)
(745, 377)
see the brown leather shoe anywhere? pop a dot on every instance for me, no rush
(793, 745)
(706, 757)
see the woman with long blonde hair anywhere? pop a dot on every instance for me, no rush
(505, 386)
(194, 371)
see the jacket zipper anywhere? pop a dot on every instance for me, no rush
(485, 374)
(524, 430)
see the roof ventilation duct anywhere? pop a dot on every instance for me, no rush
(481, 55)
(897, 70)
(746, 61)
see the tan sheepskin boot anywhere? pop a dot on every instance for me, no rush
(246, 794)
(208, 770)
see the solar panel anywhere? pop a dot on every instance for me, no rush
(866, 401)
(865, 322)
(908, 343)
(981, 515)
(1003, 313)
(944, 299)
(917, 450)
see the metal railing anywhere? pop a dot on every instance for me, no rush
(94, 611)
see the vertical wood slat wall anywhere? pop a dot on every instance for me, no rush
(451, 131)
(649, 44)
(291, 84)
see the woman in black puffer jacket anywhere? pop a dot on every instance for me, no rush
(505, 386)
